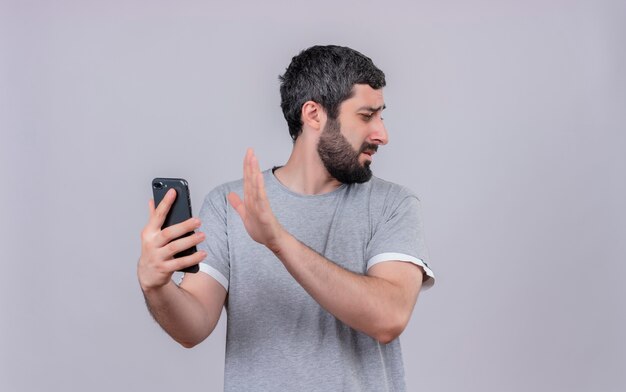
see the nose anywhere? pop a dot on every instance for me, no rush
(379, 133)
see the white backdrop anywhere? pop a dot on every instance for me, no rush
(505, 117)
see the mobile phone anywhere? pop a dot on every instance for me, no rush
(180, 210)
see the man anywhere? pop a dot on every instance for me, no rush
(319, 265)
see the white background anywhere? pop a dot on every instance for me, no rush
(505, 117)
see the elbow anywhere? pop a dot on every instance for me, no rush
(386, 338)
(187, 344)
(190, 343)
(389, 335)
(388, 332)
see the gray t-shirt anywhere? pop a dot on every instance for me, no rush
(278, 337)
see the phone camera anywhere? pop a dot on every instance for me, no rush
(158, 185)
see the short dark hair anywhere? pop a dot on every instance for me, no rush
(326, 75)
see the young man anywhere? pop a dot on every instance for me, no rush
(319, 265)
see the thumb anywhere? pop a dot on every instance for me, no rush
(237, 204)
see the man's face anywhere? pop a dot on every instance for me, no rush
(347, 143)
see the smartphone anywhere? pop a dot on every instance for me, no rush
(179, 212)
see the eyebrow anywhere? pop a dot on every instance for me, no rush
(371, 108)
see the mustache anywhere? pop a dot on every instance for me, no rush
(368, 147)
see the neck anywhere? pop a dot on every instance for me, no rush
(304, 172)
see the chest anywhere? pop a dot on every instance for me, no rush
(337, 230)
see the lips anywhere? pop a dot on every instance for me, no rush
(369, 149)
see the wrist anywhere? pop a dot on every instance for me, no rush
(278, 244)
(150, 287)
(156, 291)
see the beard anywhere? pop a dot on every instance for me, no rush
(340, 159)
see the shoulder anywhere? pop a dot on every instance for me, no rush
(391, 187)
(218, 195)
(216, 202)
(220, 192)
(387, 193)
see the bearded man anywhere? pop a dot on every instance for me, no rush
(319, 265)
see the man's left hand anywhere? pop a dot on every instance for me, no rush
(254, 209)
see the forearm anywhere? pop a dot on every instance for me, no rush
(179, 313)
(369, 304)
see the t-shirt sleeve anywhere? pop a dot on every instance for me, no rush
(399, 236)
(213, 217)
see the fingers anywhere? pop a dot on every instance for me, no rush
(257, 193)
(254, 196)
(182, 244)
(177, 230)
(261, 189)
(184, 262)
(247, 180)
(252, 180)
(255, 171)
(237, 204)
(157, 216)
(155, 267)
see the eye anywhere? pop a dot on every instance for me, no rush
(367, 116)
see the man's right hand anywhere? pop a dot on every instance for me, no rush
(157, 263)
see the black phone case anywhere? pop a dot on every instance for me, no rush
(179, 212)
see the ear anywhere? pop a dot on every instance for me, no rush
(313, 116)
